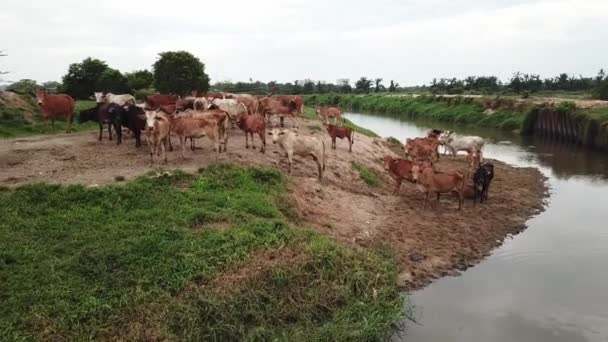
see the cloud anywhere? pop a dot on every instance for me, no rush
(409, 41)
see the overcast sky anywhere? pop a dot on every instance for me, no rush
(410, 41)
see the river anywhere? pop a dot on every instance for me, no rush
(549, 283)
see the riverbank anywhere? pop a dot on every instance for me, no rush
(576, 121)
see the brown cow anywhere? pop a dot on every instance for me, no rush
(158, 128)
(189, 127)
(297, 100)
(156, 100)
(429, 180)
(422, 149)
(340, 132)
(399, 169)
(271, 106)
(253, 124)
(184, 103)
(326, 112)
(250, 101)
(223, 122)
(55, 105)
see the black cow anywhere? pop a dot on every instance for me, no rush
(109, 114)
(134, 118)
(482, 178)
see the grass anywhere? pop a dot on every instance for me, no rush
(456, 110)
(310, 114)
(599, 114)
(13, 122)
(370, 177)
(175, 256)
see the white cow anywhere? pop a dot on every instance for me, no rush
(234, 108)
(454, 142)
(121, 100)
(300, 145)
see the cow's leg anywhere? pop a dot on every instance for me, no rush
(252, 141)
(486, 192)
(281, 120)
(350, 144)
(319, 168)
(398, 186)
(263, 138)
(110, 131)
(151, 145)
(290, 159)
(169, 140)
(182, 145)
(163, 150)
(460, 199)
(426, 198)
(438, 196)
(247, 140)
(137, 138)
(118, 129)
(100, 130)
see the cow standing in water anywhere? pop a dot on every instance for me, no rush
(54, 106)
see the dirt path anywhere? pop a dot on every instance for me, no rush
(428, 244)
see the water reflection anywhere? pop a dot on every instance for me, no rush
(547, 284)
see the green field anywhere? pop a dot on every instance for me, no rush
(213, 256)
(13, 122)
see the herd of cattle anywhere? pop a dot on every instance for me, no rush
(211, 115)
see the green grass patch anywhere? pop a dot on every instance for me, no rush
(599, 114)
(370, 177)
(145, 259)
(13, 122)
(455, 110)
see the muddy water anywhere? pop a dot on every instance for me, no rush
(549, 283)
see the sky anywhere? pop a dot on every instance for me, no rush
(409, 41)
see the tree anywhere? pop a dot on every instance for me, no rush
(393, 87)
(81, 80)
(379, 85)
(140, 79)
(344, 86)
(112, 81)
(309, 87)
(179, 72)
(25, 86)
(363, 85)
(53, 86)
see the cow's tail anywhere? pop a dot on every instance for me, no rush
(324, 155)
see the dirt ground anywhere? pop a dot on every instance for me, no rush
(428, 243)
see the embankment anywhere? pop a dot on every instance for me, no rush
(580, 122)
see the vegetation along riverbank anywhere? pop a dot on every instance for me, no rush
(578, 121)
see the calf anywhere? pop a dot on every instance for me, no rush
(53, 106)
(253, 124)
(341, 132)
(454, 142)
(326, 112)
(399, 169)
(429, 180)
(158, 127)
(482, 177)
(301, 145)
(474, 159)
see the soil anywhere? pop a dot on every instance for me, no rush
(427, 243)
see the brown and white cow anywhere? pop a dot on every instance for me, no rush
(341, 132)
(250, 102)
(300, 145)
(158, 128)
(53, 106)
(429, 180)
(190, 127)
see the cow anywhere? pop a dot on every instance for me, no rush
(421, 149)
(223, 121)
(250, 102)
(156, 100)
(105, 113)
(454, 142)
(297, 100)
(121, 100)
(340, 132)
(190, 127)
(251, 124)
(434, 133)
(185, 103)
(482, 177)
(474, 159)
(269, 106)
(234, 108)
(399, 169)
(134, 118)
(429, 180)
(53, 106)
(200, 103)
(300, 145)
(326, 112)
(158, 128)
(169, 109)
